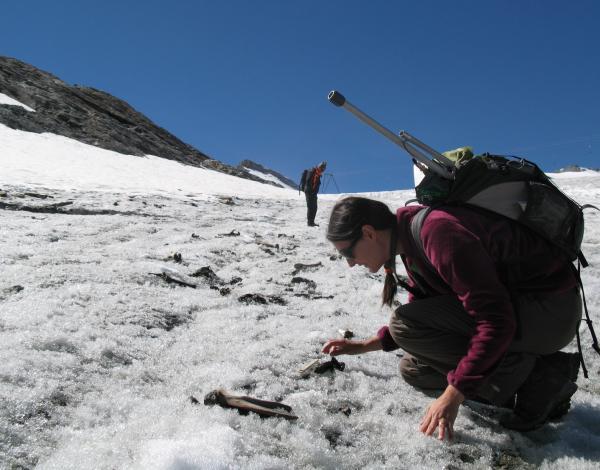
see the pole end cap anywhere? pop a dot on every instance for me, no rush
(336, 98)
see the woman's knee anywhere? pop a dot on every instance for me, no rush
(420, 375)
(405, 330)
(400, 329)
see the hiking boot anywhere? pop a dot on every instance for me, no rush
(544, 390)
(565, 363)
(568, 365)
(312, 224)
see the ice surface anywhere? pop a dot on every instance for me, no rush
(99, 358)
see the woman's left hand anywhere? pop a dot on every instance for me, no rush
(442, 414)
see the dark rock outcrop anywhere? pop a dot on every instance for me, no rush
(258, 167)
(575, 169)
(93, 117)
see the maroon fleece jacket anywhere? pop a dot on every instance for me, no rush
(477, 255)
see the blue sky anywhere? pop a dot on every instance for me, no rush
(249, 79)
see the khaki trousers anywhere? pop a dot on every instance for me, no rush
(435, 332)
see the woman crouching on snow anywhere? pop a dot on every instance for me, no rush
(478, 324)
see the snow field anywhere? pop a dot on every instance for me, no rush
(99, 357)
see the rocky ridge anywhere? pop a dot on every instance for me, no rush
(249, 164)
(93, 117)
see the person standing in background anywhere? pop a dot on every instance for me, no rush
(310, 184)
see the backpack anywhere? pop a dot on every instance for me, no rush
(303, 180)
(513, 187)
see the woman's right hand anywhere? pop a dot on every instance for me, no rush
(337, 347)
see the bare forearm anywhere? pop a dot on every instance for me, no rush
(337, 347)
(372, 344)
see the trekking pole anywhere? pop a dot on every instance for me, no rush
(330, 178)
(334, 182)
(436, 162)
(326, 182)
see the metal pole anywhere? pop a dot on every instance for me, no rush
(330, 178)
(436, 162)
(326, 182)
(334, 182)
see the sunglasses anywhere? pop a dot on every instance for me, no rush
(348, 252)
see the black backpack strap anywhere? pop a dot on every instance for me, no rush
(595, 345)
(408, 288)
(416, 224)
(582, 261)
(391, 267)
